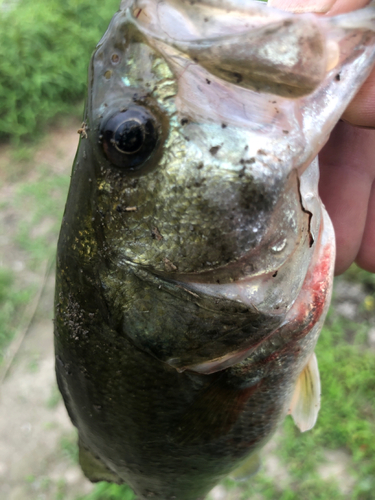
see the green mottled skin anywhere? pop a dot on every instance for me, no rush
(121, 315)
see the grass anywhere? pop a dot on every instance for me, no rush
(106, 491)
(45, 46)
(36, 206)
(12, 303)
(43, 200)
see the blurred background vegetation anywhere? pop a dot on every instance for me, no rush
(45, 47)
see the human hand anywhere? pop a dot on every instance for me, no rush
(347, 161)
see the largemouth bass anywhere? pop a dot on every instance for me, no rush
(195, 258)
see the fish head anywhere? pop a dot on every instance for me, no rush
(186, 197)
(193, 183)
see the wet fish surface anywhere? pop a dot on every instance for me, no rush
(195, 258)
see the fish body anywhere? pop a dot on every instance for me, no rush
(195, 259)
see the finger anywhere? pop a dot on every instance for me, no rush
(366, 254)
(332, 7)
(361, 111)
(341, 6)
(318, 6)
(345, 186)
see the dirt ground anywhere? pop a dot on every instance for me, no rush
(37, 439)
(35, 431)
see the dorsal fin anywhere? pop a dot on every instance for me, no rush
(305, 404)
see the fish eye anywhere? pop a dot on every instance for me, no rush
(129, 137)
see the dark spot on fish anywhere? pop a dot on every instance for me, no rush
(338, 77)
(274, 274)
(155, 234)
(206, 19)
(208, 81)
(285, 131)
(250, 161)
(214, 150)
(224, 125)
(238, 77)
(261, 152)
(115, 58)
(200, 165)
(186, 138)
(246, 147)
(200, 182)
(241, 173)
(184, 121)
(195, 59)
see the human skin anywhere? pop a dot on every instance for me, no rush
(347, 161)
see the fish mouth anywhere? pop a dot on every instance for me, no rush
(305, 313)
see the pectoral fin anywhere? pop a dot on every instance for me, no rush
(305, 404)
(93, 468)
(248, 468)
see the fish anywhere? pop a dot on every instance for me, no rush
(195, 259)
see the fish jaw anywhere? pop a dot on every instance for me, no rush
(305, 315)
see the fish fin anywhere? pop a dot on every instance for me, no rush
(248, 468)
(214, 411)
(93, 468)
(305, 403)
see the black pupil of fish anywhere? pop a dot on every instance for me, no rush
(129, 136)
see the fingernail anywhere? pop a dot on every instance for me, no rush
(318, 6)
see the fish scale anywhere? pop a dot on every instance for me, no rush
(195, 258)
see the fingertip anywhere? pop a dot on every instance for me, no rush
(366, 255)
(361, 110)
(366, 262)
